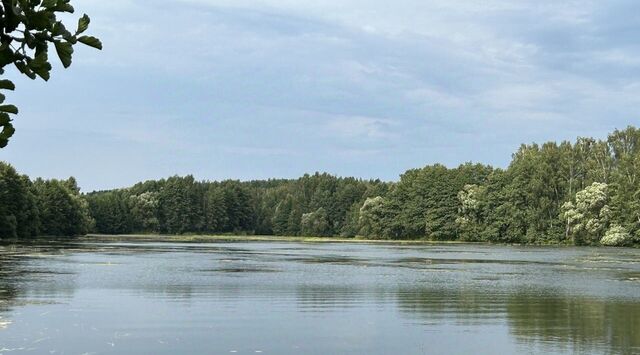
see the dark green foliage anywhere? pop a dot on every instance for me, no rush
(426, 200)
(239, 211)
(377, 219)
(351, 227)
(280, 219)
(111, 212)
(315, 224)
(178, 208)
(215, 210)
(18, 209)
(543, 197)
(62, 211)
(27, 28)
(52, 208)
(182, 205)
(567, 193)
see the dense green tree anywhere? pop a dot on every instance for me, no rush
(470, 219)
(625, 178)
(111, 212)
(584, 193)
(63, 212)
(239, 208)
(315, 223)
(215, 210)
(18, 211)
(350, 227)
(590, 215)
(280, 221)
(616, 236)
(144, 211)
(294, 222)
(426, 200)
(176, 207)
(374, 218)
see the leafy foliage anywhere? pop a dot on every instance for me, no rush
(582, 193)
(27, 28)
(616, 236)
(28, 209)
(315, 223)
(589, 216)
(312, 205)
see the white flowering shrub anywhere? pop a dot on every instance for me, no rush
(616, 236)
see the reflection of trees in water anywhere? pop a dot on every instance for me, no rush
(322, 298)
(465, 306)
(558, 321)
(579, 321)
(182, 293)
(555, 320)
(11, 273)
(20, 277)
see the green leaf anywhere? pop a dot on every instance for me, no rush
(4, 119)
(45, 75)
(9, 130)
(6, 133)
(90, 41)
(9, 109)
(59, 29)
(7, 85)
(29, 40)
(6, 56)
(43, 71)
(41, 20)
(41, 66)
(49, 3)
(83, 23)
(41, 58)
(25, 70)
(2, 98)
(64, 8)
(65, 50)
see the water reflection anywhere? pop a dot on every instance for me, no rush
(583, 323)
(10, 269)
(169, 297)
(554, 320)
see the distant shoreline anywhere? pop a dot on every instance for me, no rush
(260, 238)
(204, 238)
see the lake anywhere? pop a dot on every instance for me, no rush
(316, 298)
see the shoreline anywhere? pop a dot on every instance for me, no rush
(221, 238)
(205, 238)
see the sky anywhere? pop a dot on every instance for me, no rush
(277, 88)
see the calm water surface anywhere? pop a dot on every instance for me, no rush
(295, 298)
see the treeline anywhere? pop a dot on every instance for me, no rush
(582, 193)
(41, 207)
(319, 204)
(585, 192)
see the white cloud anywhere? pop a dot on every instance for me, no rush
(362, 127)
(265, 78)
(430, 96)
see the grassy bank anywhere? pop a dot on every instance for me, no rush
(253, 238)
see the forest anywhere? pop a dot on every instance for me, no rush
(585, 192)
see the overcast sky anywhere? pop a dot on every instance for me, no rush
(276, 88)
